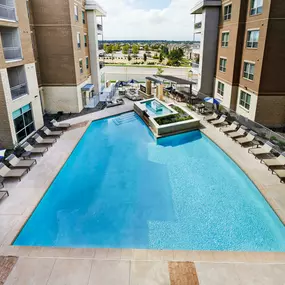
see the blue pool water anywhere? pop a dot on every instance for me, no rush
(152, 111)
(121, 188)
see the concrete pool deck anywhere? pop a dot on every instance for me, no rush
(50, 265)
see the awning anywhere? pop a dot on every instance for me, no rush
(87, 87)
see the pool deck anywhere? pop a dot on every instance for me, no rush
(131, 266)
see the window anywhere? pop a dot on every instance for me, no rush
(248, 71)
(252, 39)
(23, 122)
(256, 7)
(227, 12)
(245, 100)
(28, 8)
(87, 62)
(83, 17)
(76, 13)
(225, 39)
(221, 88)
(80, 66)
(85, 40)
(223, 63)
(78, 40)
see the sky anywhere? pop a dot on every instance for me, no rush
(148, 19)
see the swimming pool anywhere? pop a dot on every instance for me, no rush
(155, 108)
(121, 188)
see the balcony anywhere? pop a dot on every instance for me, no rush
(198, 25)
(19, 91)
(7, 10)
(196, 49)
(11, 44)
(100, 29)
(17, 81)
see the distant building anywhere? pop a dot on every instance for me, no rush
(241, 56)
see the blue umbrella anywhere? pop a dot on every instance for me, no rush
(212, 100)
(2, 153)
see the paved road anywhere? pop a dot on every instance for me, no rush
(139, 73)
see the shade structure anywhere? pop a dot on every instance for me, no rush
(2, 153)
(212, 100)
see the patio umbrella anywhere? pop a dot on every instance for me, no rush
(2, 153)
(132, 81)
(212, 100)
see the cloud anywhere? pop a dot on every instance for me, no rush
(125, 21)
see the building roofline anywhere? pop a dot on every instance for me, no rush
(198, 8)
(93, 5)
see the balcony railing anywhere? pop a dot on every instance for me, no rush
(198, 25)
(195, 65)
(99, 28)
(12, 53)
(101, 64)
(19, 91)
(7, 13)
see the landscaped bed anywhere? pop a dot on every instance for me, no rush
(169, 119)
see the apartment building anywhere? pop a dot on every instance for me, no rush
(250, 60)
(65, 37)
(20, 104)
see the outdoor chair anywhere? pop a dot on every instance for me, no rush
(265, 149)
(60, 125)
(239, 133)
(3, 193)
(50, 133)
(230, 128)
(212, 117)
(274, 162)
(34, 150)
(41, 140)
(6, 172)
(220, 121)
(280, 173)
(246, 140)
(16, 162)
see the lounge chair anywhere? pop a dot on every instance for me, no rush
(212, 117)
(60, 125)
(248, 139)
(3, 193)
(50, 133)
(16, 162)
(34, 150)
(41, 140)
(239, 133)
(265, 149)
(220, 121)
(280, 173)
(230, 128)
(274, 162)
(6, 172)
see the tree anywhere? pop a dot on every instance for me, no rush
(175, 57)
(164, 50)
(135, 49)
(161, 58)
(144, 57)
(160, 70)
(116, 47)
(129, 58)
(108, 48)
(125, 49)
(146, 47)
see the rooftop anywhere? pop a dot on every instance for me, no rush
(198, 8)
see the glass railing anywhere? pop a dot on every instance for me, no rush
(7, 13)
(12, 53)
(19, 91)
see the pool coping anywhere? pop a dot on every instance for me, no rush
(140, 254)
